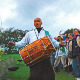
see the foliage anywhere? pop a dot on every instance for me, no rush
(68, 31)
(11, 35)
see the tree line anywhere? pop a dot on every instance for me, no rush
(16, 35)
(11, 34)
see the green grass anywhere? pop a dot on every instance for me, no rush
(23, 72)
(63, 76)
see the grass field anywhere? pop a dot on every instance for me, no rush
(23, 72)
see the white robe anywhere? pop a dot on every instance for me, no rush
(32, 36)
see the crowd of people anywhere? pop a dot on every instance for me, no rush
(64, 56)
(67, 56)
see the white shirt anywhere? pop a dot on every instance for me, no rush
(60, 53)
(32, 36)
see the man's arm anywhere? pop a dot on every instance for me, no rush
(22, 43)
(56, 43)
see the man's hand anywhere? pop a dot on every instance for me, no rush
(10, 43)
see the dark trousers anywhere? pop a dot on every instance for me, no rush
(76, 66)
(42, 71)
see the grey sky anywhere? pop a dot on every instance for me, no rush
(56, 14)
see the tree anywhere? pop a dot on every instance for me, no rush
(68, 31)
(11, 35)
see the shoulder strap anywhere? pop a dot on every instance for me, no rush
(68, 44)
(47, 33)
(78, 40)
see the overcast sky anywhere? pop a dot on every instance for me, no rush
(56, 15)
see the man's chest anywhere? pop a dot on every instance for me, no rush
(34, 36)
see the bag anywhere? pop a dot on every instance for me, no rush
(70, 55)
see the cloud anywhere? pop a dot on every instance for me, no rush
(56, 14)
(7, 9)
(74, 19)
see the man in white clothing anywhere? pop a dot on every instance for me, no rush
(43, 69)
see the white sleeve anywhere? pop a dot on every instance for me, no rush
(55, 43)
(23, 42)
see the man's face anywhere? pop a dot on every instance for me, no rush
(37, 22)
(75, 32)
(59, 37)
(70, 36)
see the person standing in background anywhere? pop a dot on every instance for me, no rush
(75, 50)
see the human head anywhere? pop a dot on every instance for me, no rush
(67, 38)
(59, 38)
(37, 22)
(70, 35)
(75, 32)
